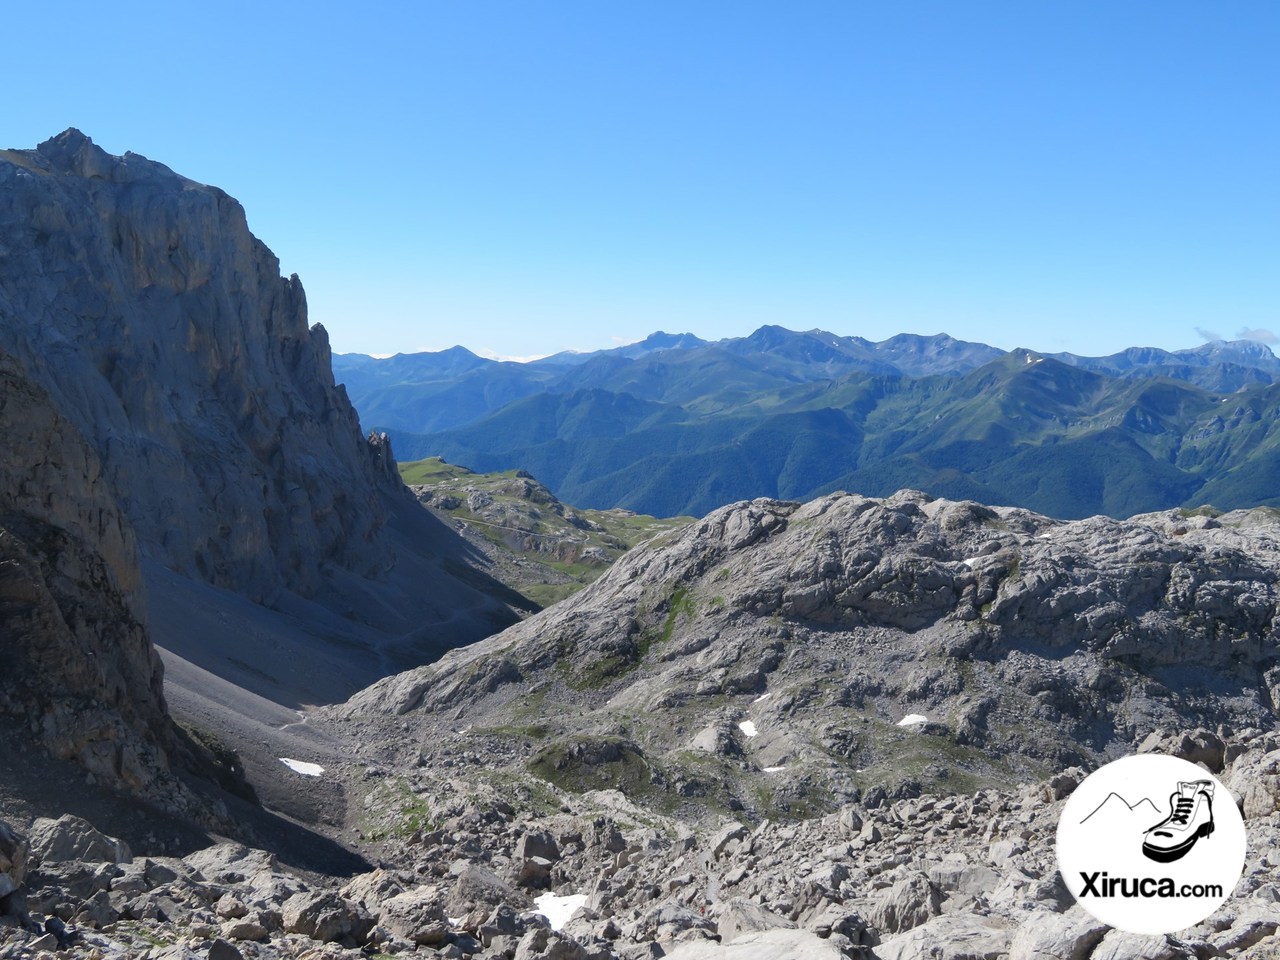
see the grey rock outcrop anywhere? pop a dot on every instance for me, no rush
(71, 838)
(14, 851)
(853, 648)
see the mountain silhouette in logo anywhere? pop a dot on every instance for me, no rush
(1116, 807)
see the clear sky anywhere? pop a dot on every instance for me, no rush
(529, 176)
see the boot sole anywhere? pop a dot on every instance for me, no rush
(1169, 854)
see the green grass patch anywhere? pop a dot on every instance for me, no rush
(402, 812)
(1207, 510)
(532, 731)
(135, 929)
(432, 470)
(682, 605)
(579, 764)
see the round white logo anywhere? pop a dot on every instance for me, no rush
(1151, 844)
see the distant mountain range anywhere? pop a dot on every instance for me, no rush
(678, 425)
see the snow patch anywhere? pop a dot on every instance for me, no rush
(302, 767)
(912, 718)
(773, 769)
(764, 696)
(489, 354)
(558, 910)
(970, 562)
(749, 728)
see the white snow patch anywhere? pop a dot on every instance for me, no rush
(763, 696)
(489, 354)
(558, 910)
(970, 562)
(749, 728)
(772, 769)
(912, 718)
(302, 767)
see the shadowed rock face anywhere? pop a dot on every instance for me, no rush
(161, 327)
(171, 443)
(77, 661)
(1026, 643)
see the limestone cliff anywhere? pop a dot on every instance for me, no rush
(77, 662)
(161, 328)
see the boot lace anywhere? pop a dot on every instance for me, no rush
(1182, 810)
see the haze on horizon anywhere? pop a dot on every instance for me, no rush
(522, 180)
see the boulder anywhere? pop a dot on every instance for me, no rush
(537, 843)
(416, 915)
(478, 886)
(231, 863)
(951, 937)
(727, 838)
(13, 861)
(544, 944)
(326, 917)
(908, 903)
(1057, 936)
(739, 917)
(70, 838)
(1256, 781)
(765, 945)
(372, 889)
(1119, 945)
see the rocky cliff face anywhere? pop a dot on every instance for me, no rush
(174, 444)
(77, 661)
(782, 657)
(160, 327)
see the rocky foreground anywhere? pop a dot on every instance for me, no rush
(762, 662)
(947, 877)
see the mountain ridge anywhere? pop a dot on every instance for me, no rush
(1144, 430)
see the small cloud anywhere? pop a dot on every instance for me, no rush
(1258, 334)
(624, 341)
(1208, 335)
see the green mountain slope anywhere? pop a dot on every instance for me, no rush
(1022, 430)
(532, 542)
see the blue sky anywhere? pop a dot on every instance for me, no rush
(527, 177)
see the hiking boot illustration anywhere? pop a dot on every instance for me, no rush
(1190, 818)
